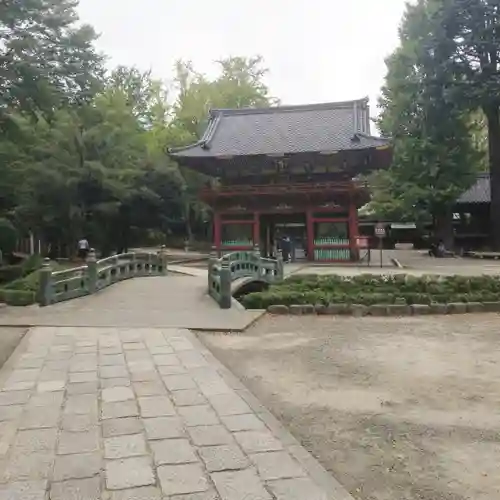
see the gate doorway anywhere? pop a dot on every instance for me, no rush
(274, 227)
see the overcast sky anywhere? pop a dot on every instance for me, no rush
(316, 50)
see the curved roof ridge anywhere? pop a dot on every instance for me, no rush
(289, 108)
(370, 136)
(210, 131)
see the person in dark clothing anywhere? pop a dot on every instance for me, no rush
(286, 247)
(438, 250)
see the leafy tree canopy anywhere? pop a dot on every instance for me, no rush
(83, 152)
(47, 58)
(435, 156)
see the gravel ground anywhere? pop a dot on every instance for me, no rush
(396, 409)
(9, 338)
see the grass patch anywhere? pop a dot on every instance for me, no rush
(368, 289)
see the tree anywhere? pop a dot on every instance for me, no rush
(240, 84)
(92, 171)
(473, 30)
(434, 156)
(46, 59)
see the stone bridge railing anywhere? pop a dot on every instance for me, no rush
(224, 271)
(94, 275)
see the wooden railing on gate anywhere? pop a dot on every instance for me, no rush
(57, 286)
(241, 264)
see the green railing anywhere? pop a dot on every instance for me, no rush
(241, 264)
(57, 286)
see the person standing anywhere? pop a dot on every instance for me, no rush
(286, 247)
(83, 248)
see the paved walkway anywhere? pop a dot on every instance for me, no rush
(140, 414)
(166, 301)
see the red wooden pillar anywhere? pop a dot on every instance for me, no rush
(353, 228)
(310, 234)
(256, 229)
(217, 232)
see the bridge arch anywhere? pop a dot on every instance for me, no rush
(248, 284)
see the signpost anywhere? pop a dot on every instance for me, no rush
(380, 233)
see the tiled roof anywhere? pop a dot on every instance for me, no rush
(285, 129)
(478, 192)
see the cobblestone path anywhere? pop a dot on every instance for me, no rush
(92, 413)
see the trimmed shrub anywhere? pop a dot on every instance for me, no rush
(369, 290)
(31, 264)
(17, 297)
(10, 273)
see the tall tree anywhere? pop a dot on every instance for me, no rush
(46, 58)
(240, 83)
(474, 39)
(434, 157)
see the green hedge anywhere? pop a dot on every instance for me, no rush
(31, 264)
(375, 289)
(10, 273)
(17, 297)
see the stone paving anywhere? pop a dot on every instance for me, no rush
(171, 301)
(140, 414)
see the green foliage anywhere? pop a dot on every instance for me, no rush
(100, 169)
(8, 237)
(436, 152)
(19, 283)
(240, 84)
(84, 153)
(445, 71)
(31, 264)
(17, 297)
(46, 58)
(10, 273)
(369, 289)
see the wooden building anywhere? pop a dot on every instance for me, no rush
(472, 223)
(288, 170)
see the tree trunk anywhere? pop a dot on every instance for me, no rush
(444, 229)
(493, 118)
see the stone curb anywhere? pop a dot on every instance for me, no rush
(359, 310)
(319, 475)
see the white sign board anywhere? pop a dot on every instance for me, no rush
(380, 231)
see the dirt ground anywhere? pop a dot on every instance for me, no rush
(396, 409)
(9, 338)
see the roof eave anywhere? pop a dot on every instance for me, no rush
(204, 142)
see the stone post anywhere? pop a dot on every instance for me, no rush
(150, 262)
(225, 285)
(163, 260)
(280, 272)
(257, 261)
(132, 267)
(212, 259)
(92, 271)
(45, 284)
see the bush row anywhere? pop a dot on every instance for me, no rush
(22, 286)
(16, 271)
(369, 290)
(17, 297)
(359, 310)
